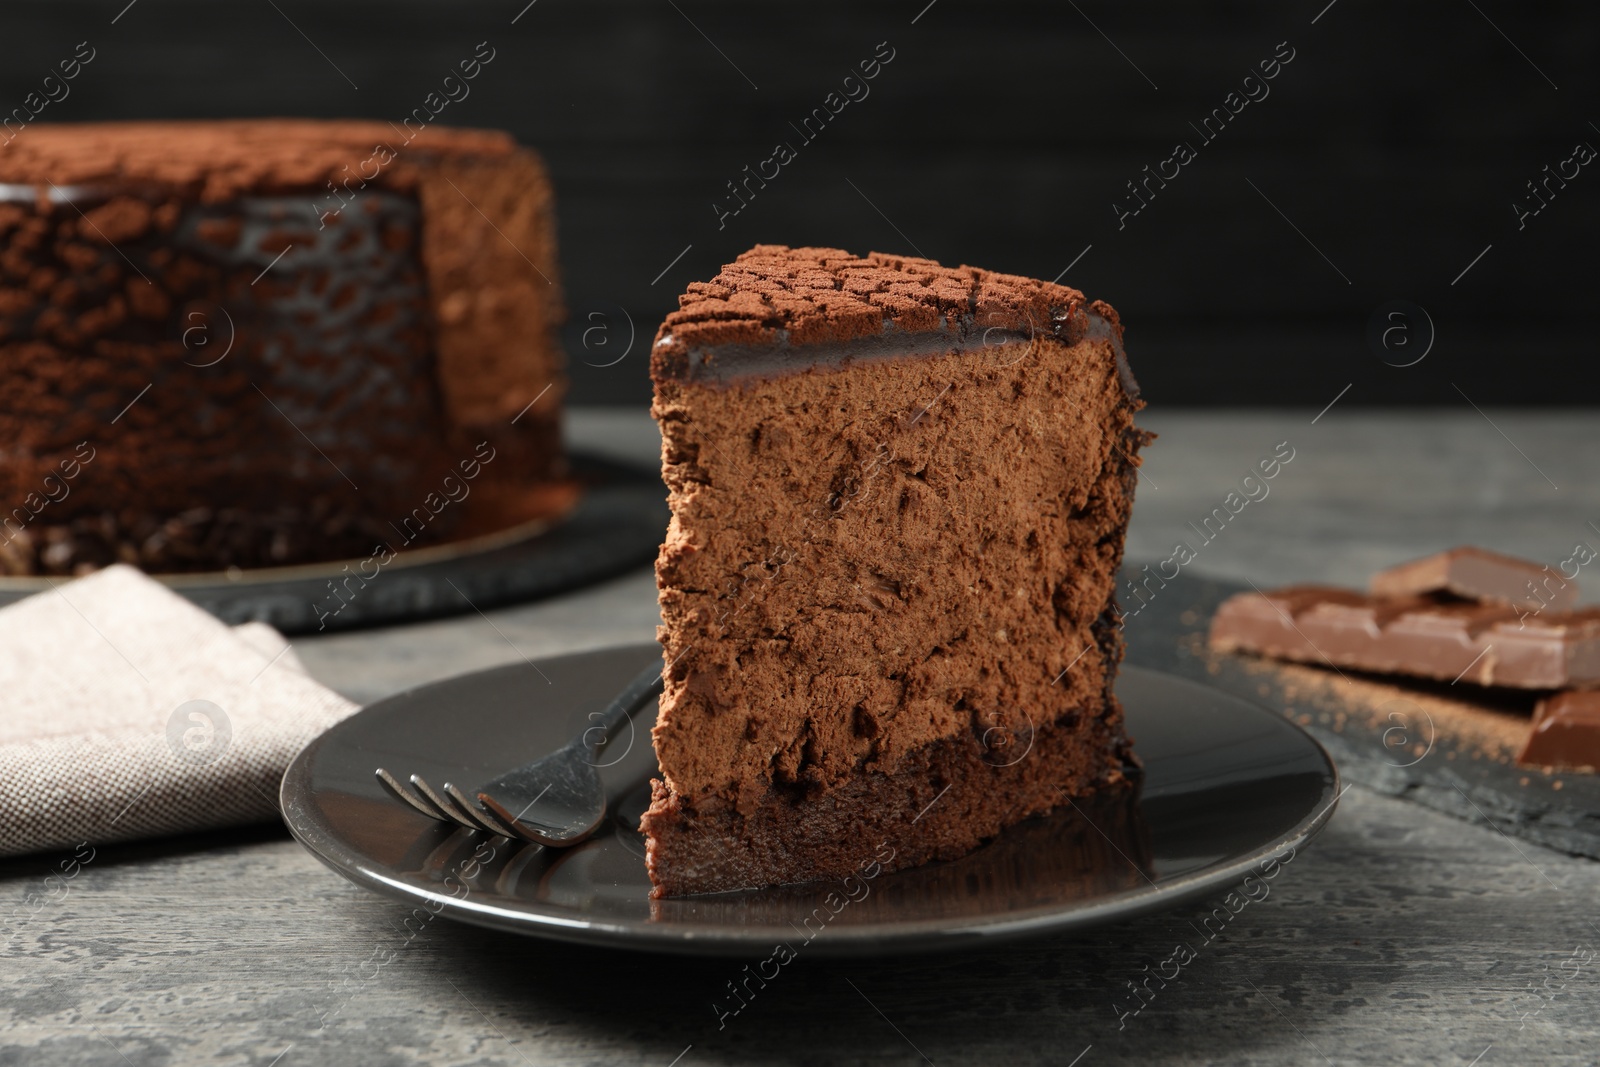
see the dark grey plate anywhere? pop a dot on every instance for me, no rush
(616, 524)
(1228, 786)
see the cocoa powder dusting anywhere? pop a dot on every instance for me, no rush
(218, 161)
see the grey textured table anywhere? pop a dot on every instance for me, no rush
(1400, 936)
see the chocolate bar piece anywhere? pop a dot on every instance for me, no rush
(1566, 732)
(1477, 574)
(1426, 636)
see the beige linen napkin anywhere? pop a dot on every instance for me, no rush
(127, 712)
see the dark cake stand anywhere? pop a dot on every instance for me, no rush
(617, 523)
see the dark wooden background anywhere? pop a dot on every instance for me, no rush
(1000, 135)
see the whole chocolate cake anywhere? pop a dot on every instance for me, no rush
(899, 493)
(267, 342)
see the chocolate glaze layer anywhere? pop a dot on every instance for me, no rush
(1008, 342)
(816, 304)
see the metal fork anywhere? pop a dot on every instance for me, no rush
(556, 800)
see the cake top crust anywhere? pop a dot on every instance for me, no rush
(811, 296)
(224, 159)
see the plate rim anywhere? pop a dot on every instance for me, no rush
(703, 939)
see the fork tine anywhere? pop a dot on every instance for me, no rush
(492, 805)
(446, 806)
(406, 797)
(483, 818)
(526, 834)
(425, 795)
(498, 811)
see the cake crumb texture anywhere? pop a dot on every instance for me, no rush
(884, 577)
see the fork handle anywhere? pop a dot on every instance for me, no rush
(645, 687)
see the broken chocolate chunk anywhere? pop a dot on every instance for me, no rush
(1566, 732)
(1425, 636)
(1478, 574)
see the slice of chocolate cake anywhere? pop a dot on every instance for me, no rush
(899, 493)
(268, 342)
